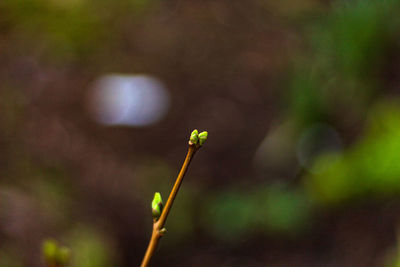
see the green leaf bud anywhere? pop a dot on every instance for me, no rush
(194, 137)
(157, 206)
(202, 138)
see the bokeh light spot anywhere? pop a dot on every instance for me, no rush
(128, 100)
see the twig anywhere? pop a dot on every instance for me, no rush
(196, 141)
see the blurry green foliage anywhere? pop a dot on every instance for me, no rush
(348, 54)
(267, 209)
(356, 35)
(90, 248)
(370, 166)
(67, 30)
(229, 215)
(287, 211)
(342, 76)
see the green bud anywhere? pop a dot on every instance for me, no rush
(157, 206)
(202, 138)
(49, 249)
(194, 137)
(163, 231)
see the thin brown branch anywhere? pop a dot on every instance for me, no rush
(159, 224)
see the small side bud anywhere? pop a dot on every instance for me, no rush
(194, 137)
(202, 137)
(157, 206)
(163, 231)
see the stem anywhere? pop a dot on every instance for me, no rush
(158, 225)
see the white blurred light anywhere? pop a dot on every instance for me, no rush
(130, 100)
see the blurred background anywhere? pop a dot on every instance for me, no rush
(300, 98)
